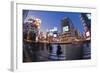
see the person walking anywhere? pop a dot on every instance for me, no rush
(59, 52)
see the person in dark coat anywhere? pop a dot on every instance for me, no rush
(59, 52)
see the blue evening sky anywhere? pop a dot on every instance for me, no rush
(51, 19)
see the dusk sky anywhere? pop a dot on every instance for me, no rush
(51, 19)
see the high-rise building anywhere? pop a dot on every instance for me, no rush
(86, 19)
(86, 22)
(67, 26)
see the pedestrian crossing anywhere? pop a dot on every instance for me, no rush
(55, 57)
(30, 55)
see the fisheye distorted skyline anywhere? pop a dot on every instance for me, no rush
(51, 19)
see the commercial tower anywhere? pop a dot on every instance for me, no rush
(86, 22)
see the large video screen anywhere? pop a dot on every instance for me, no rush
(65, 29)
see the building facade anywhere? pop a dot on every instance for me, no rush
(86, 22)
